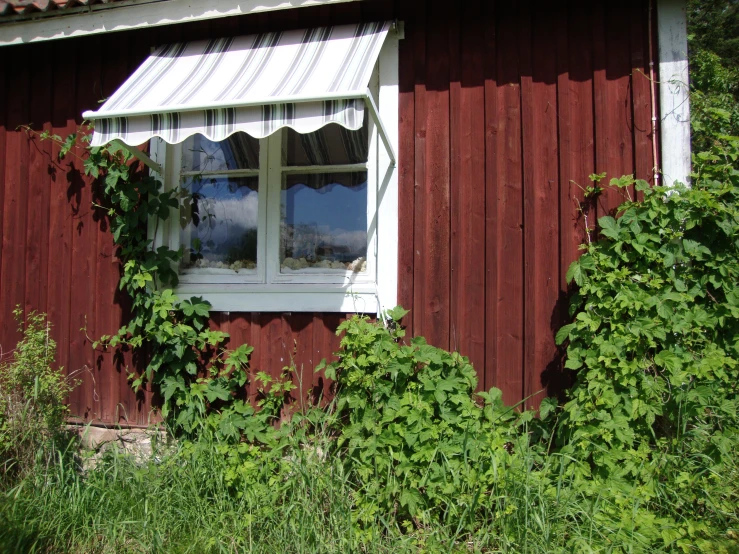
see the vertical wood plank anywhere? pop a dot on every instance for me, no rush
(59, 276)
(576, 154)
(301, 358)
(456, 183)
(240, 329)
(531, 174)
(333, 320)
(600, 97)
(541, 200)
(613, 112)
(39, 181)
(325, 343)
(642, 116)
(12, 274)
(419, 33)
(420, 201)
(257, 23)
(406, 173)
(509, 294)
(491, 197)
(84, 240)
(273, 344)
(577, 141)
(377, 10)
(435, 236)
(224, 27)
(255, 364)
(224, 325)
(314, 16)
(468, 187)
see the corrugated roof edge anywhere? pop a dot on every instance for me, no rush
(12, 11)
(108, 16)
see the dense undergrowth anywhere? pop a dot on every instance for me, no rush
(405, 460)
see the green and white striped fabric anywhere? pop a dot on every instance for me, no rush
(253, 84)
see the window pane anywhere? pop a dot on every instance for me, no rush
(324, 223)
(330, 145)
(223, 231)
(239, 151)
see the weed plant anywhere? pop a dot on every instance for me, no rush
(32, 399)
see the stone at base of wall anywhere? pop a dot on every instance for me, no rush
(95, 441)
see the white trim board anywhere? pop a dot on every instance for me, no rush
(674, 93)
(113, 18)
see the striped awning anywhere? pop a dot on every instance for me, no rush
(256, 84)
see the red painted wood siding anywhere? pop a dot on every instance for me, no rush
(505, 109)
(540, 95)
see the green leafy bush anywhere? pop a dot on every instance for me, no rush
(411, 429)
(654, 410)
(655, 339)
(32, 398)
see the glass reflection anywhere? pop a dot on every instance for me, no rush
(324, 222)
(239, 151)
(220, 223)
(330, 145)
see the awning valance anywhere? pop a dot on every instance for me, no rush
(256, 84)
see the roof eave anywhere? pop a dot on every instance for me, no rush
(127, 15)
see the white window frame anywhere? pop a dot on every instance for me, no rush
(278, 169)
(267, 290)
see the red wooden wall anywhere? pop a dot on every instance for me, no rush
(505, 109)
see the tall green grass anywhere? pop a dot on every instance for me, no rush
(184, 499)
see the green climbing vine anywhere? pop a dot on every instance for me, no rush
(200, 380)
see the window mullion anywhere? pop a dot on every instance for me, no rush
(339, 168)
(262, 216)
(274, 189)
(172, 171)
(226, 172)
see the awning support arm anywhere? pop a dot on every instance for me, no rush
(374, 113)
(143, 157)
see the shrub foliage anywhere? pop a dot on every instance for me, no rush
(32, 398)
(411, 429)
(655, 338)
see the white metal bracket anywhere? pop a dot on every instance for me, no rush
(375, 114)
(141, 156)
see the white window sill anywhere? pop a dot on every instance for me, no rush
(358, 298)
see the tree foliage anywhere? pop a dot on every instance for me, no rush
(713, 40)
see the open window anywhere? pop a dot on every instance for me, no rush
(283, 143)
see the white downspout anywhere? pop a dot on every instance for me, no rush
(674, 93)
